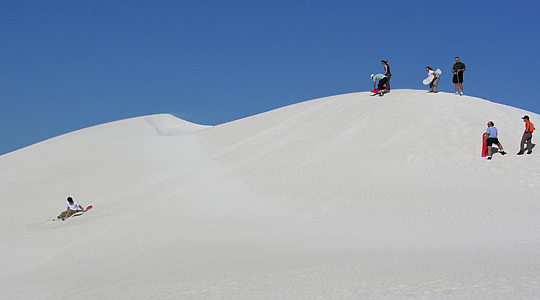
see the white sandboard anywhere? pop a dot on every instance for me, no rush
(430, 77)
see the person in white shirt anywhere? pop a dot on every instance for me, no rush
(434, 82)
(72, 208)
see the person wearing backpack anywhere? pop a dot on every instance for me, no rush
(527, 136)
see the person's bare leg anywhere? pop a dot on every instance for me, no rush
(501, 150)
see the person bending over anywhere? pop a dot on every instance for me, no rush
(491, 139)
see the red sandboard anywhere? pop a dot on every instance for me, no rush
(377, 90)
(78, 213)
(484, 145)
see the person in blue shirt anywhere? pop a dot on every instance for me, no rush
(382, 81)
(492, 139)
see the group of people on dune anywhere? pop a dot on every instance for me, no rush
(490, 138)
(384, 79)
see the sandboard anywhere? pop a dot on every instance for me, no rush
(79, 212)
(484, 145)
(378, 92)
(429, 79)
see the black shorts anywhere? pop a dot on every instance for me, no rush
(491, 141)
(458, 78)
(382, 82)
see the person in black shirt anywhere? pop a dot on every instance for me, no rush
(387, 73)
(458, 70)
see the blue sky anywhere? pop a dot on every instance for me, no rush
(68, 65)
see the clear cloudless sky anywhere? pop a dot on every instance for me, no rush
(68, 65)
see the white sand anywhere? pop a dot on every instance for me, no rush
(349, 196)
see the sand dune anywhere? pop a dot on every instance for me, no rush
(341, 197)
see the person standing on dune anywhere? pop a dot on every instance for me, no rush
(527, 136)
(458, 70)
(387, 73)
(433, 84)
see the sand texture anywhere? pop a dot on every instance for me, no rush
(344, 197)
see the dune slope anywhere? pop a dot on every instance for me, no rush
(349, 196)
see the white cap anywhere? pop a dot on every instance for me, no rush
(372, 76)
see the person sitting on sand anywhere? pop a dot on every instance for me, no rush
(72, 208)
